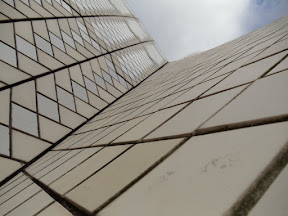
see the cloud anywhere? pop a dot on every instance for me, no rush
(183, 27)
(262, 12)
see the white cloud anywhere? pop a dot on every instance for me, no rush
(181, 27)
(185, 26)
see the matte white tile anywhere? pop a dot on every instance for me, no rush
(8, 54)
(110, 180)
(205, 176)
(194, 115)
(264, 98)
(26, 48)
(24, 120)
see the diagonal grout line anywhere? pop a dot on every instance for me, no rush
(197, 132)
(260, 185)
(68, 66)
(69, 206)
(11, 158)
(67, 17)
(69, 134)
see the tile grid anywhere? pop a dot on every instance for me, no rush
(199, 130)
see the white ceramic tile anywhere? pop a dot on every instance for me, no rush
(25, 95)
(282, 66)
(26, 48)
(77, 38)
(69, 40)
(56, 210)
(264, 98)
(99, 81)
(149, 124)
(87, 168)
(194, 115)
(24, 120)
(206, 176)
(32, 205)
(43, 44)
(51, 131)
(5, 106)
(26, 147)
(5, 144)
(103, 185)
(246, 74)
(25, 190)
(66, 99)
(7, 167)
(47, 107)
(57, 41)
(80, 91)
(8, 54)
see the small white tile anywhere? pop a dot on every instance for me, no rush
(43, 45)
(7, 167)
(66, 99)
(8, 54)
(57, 42)
(47, 107)
(5, 144)
(26, 48)
(24, 120)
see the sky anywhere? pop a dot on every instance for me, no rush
(184, 27)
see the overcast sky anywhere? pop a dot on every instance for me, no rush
(182, 27)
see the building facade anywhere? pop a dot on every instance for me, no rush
(94, 121)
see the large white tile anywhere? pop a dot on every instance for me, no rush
(264, 98)
(111, 179)
(194, 115)
(205, 176)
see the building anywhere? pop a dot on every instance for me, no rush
(94, 121)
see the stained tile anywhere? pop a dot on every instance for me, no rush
(103, 185)
(274, 200)
(205, 168)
